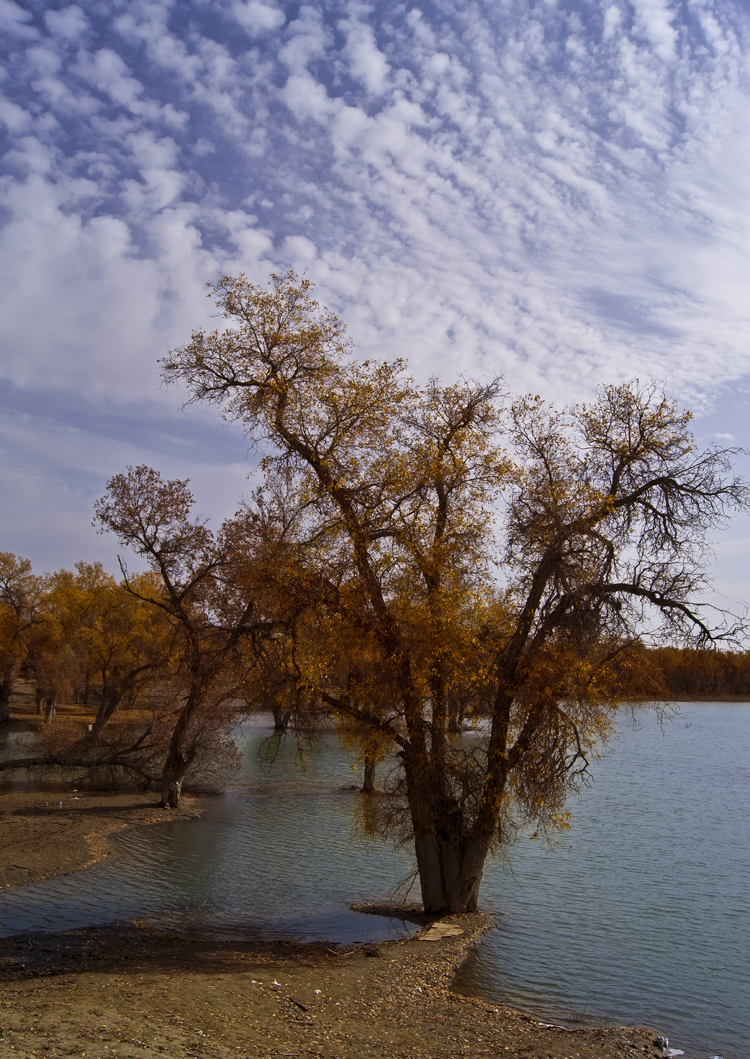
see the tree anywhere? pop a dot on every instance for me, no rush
(80, 634)
(120, 643)
(20, 596)
(454, 549)
(209, 612)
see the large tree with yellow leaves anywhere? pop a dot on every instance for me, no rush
(453, 552)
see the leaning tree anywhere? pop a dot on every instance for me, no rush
(454, 548)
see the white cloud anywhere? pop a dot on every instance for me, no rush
(306, 98)
(203, 147)
(307, 39)
(655, 19)
(366, 62)
(106, 71)
(145, 23)
(70, 23)
(13, 19)
(556, 192)
(43, 59)
(15, 118)
(612, 20)
(257, 17)
(300, 252)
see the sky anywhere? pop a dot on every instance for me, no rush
(558, 190)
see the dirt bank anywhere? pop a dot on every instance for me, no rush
(130, 991)
(59, 832)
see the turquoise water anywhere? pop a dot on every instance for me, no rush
(639, 916)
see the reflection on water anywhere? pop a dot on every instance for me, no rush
(641, 914)
(277, 856)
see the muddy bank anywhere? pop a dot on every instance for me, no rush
(59, 832)
(132, 992)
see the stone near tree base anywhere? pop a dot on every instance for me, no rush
(438, 931)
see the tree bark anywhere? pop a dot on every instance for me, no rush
(108, 707)
(6, 687)
(50, 708)
(181, 754)
(369, 782)
(280, 717)
(172, 776)
(450, 873)
(450, 860)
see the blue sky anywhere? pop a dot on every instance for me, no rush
(558, 190)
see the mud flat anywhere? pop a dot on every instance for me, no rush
(40, 837)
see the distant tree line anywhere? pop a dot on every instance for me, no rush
(685, 673)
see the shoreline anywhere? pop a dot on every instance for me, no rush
(41, 839)
(128, 989)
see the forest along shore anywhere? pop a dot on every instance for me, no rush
(129, 990)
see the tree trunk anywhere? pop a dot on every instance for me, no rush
(455, 716)
(181, 753)
(50, 708)
(450, 873)
(369, 783)
(6, 687)
(107, 708)
(172, 776)
(280, 717)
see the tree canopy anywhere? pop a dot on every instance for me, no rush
(204, 593)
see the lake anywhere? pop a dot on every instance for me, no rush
(639, 915)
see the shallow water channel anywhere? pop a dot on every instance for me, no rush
(640, 914)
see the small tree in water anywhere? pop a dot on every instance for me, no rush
(457, 548)
(211, 613)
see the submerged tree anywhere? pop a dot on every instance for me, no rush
(455, 552)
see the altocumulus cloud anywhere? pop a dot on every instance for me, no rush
(557, 190)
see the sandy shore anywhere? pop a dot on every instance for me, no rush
(131, 991)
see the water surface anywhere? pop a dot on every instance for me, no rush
(639, 916)
(277, 856)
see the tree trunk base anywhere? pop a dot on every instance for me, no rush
(171, 790)
(280, 719)
(449, 876)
